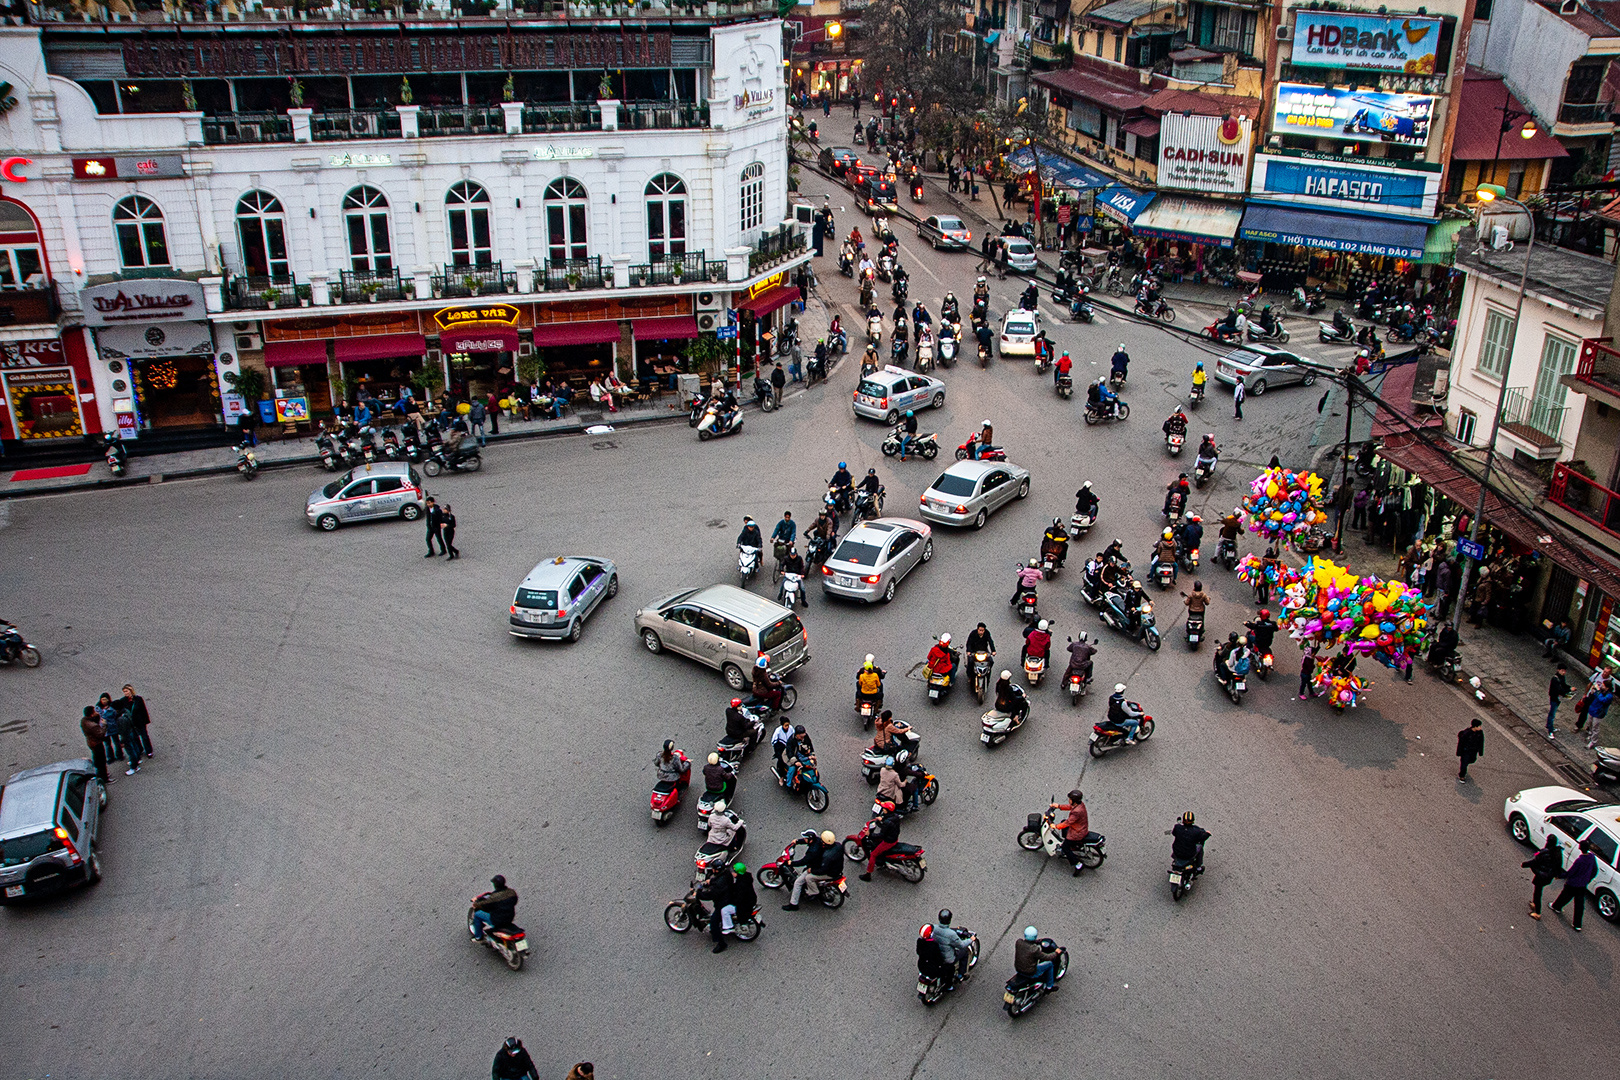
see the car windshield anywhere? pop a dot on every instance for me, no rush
(951, 224)
(545, 599)
(22, 849)
(858, 553)
(780, 633)
(951, 484)
(1020, 247)
(331, 490)
(1573, 806)
(873, 389)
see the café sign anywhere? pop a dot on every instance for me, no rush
(122, 167)
(143, 300)
(451, 318)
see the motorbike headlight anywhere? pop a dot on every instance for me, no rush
(1147, 608)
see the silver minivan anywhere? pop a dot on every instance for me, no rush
(726, 628)
(50, 826)
(383, 489)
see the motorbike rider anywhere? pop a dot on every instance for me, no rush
(494, 909)
(1010, 697)
(1197, 602)
(1100, 398)
(1177, 423)
(909, 433)
(1199, 378)
(1119, 365)
(1037, 641)
(1268, 320)
(823, 861)
(1342, 323)
(720, 778)
(981, 292)
(890, 786)
(1055, 541)
(1208, 454)
(512, 1062)
(786, 531)
(1188, 843)
(869, 683)
(1233, 658)
(792, 563)
(1030, 297)
(1081, 650)
(870, 482)
(1063, 366)
(672, 765)
(1178, 489)
(949, 311)
(1028, 577)
(782, 742)
(1034, 962)
(1133, 597)
(1076, 827)
(1261, 631)
(1114, 555)
(1190, 536)
(1231, 525)
(920, 317)
(1127, 714)
(731, 891)
(986, 338)
(887, 831)
(979, 443)
(750, 535)
(953, 947)
(723, 825)
(798, 753)
(1445, 645)
(1085, 501)
(842, 484)
(1164, 552)
(942, 659)
(739, 723)
(767, 687)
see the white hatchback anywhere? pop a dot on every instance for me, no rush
(1021, 255)
(1018, 330)
(1535, 813)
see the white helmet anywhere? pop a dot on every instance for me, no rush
(944, 639)
(1122, 346)
(1005, 674)
(1085, 486)
(1119, 688)
(1083, 637)
(869, 658)
(714, 758)
(1041, 625)
(720, 807)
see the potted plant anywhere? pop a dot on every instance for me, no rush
(675, 269)
(472, 285)
(604, 88)
(303, 293)
(295, 93)
(408, 287)
(272, 296)
(573, 280)
(368, 289)
(249, 384)
(508, 88)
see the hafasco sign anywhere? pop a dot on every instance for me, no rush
(153, 300)
(1348, 186)
(1361, 115)
(1204, 153)
(1405, 43)
(450, 318)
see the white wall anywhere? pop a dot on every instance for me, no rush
(1532, 48)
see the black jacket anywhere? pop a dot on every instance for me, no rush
(738, 724)
(1558, 688)
(137, 711)
(980, 641)
(1471, 744)
(750, 536)
(888, 827)
(1187, 839)
(513, 1066)
(500, 904)
(741, 893)
(830, 862)
(1545, 864)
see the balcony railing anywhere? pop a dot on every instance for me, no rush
(247, 127)
(463, 281)
(586, 274)
(1585, 498)
(1594, 113)
(355, 124)
(253, 292)
(775, 246)
(461, 120)
(561, 118)
(33, 304)
(1534, 420)
(288, 11)
(684, 268)
(357, 286)
(640, 115)
(1599, 365)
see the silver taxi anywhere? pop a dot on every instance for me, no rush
(557, 596)
(383, 489)
(886, 394)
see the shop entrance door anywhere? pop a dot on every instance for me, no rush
(178, 391)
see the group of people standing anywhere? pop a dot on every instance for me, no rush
(116, 729)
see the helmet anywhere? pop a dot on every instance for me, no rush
(1034, 562)
(1086, 486)
(714, 757)
(1042, 625)
(1188, 818)
(1182, 476)
(909, 414)
(1076, 795)
(1265, 613)
(798, 729)
(827, 837)
(945, 916)
(927, 932)
(720, 807)
(1083, 637)
(1030, 933)
(1058, 522)
(736, 701)
(1005, 674)
(868, 662)
(669, 745)
(889, 761)
(1168, 534)
(762, 662)
(1243, 639)
(746, 519)
(843, 465)
(1119, 688)
(986, 423)
(1122, 346)
(1232, 637)
(981, 280)
(740, 867)
(512, 1045)
(887, 806)
(1136, 584)
(1199, 366)
(944, 639)
(1195, 517)
(871, 472)
(1117, 542)
(499, 881)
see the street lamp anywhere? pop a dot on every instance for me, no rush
(1527, 130)
(1487, 194)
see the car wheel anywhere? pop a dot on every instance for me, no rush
(573, 631)
(653, 642)
(1608, 906)
(613, 586)
(981, 518)
(892, 418)
(928, 551)
(1023, 490)
(939, 400)
(92, 875)
(1310, 377)
(1519, 829)
(888, 593)
(411, 512)
(734, 676)
(327, 522)
(1258, 388)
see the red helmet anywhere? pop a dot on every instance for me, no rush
(887, 806)
(736, 701)
(1265, 613)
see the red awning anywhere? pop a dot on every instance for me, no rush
(1145, 128)
(1116, 97)
(292, 353)
(576, 333)
(768, 301)
(477, 337)
(1479, 125)
(380, 347)
(672, 328)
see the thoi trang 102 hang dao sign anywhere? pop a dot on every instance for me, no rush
(1336, 39)
(1204, 153)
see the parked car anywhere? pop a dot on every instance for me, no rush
(887, 394)
(1573, 817)
(50, 820)
(1263, 369)
(837, 159)
(383, 489)
(557, 596)
(944, 231)
(969, 491)
(1020, 255)
(1018, 330)
(874, 555)
(726, 628)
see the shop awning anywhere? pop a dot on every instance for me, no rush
(575, 333)
(293, 353)
(1353, 233)
(1145, 128)
(769, 300)
(477, 337)
(1197, 220)
(672, 328)
(1119, 201)
(380, 347)
(1058, 170)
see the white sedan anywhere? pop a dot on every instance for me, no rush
(1535, 813)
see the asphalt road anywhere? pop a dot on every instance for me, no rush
(349, 744)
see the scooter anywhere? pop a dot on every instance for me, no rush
(1182, 875)
(1023, 992)
(948, 347)
(806, 781)
(872, 757)
(1606, 769)
(706, 801)
(905, 860)
(874, 330)
(981, 674)
(1096, 414)
(710, 855)
(793, 591)
(748, 559)
(1164, 573)
(510, 943)
(328, 449)
(1224, 332)
(931, 987)
(684, 914)
(1111, 735)
(247, 462)
(465, 458)
(1174, 441)
(1195, 396)
(1026, 606)
(1064, 386)
(781, 874)
(1226, 553)
(1034, 668)
(1187, 559)
(13, 647)
(1332, 334)
(939, 685)
(996, 725)
(1194, 628)
(1080, 524)
(984, 355)
(965, 451)
(1157, 309)
(1278, 333)
(1078, 683)
(925, 355)
(1040, 833)
(713, 426)
(1114, 615)
(868, 504)
(117, 455)
(666, 795)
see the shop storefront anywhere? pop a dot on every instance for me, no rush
(300, 378)
(378, 365)
(41, 403)
(661, 344)
(480, 345)
(1343, 250)
(323, 358)
(151, 335)
(757, 309)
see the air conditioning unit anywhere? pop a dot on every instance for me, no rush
(710, 314)
(708, 321)
(249, 342)
(1285, 33)
(804, 214)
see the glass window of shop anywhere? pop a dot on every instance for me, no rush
(467, 208)
(177, 391)
(578, 364)
(477, 374)
(365, 212)
(312, 382)
(138, 224)
(380, 378)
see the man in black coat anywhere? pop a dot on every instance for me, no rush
(1470, 747)
(1545, 865)
(435, 527)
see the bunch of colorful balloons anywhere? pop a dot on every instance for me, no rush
(1326, 605)
(1283, 504)
(1251, 568)
(1341, 691)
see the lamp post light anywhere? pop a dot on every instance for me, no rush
(1527, 130)
(1489, 193)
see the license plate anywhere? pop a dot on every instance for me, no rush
(843, 581)
(922, 864)
(1093, 736)
(984, 737)
(14, 890)
(522, 946)
(1008, 997)
(864, 400)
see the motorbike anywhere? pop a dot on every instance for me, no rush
(898, 290)
(939, 686)
(1182, 875)
(925, 355)
(906, 860)
(1195, 396)
(764, 716)
(666, 796)
(1064, 386)
(1235, 685)
(1078, 683)
(1157, 309)
(1194, 629)
(391, 448)
(465, 458)
(1175, 506)
(1026, 606)
(846, 266)
(510, 943)
(734, 751)
(898, 349)
(874, 330)
(868, 504)
(707, 799)
(931, 987)
(748, 559)
(793, 591)
(984, 355)
(949, 347)
(712, 855)
(1278, 332)
(1330, 334)
(872, 756)
(247, 462)
(917, 192)
(1096, 414)
(700, 404)
(885, 267)
(688, 912)
(711, 426)
(117, 456)
(867, 708)
(806, 781)
(1187, 559)
(965, 451)
(327, 449)
(1226, 553)
(1034, 668)
(995, 726)
(1164, 573)
(1223, 332)
(13, 647)
(1041, 833)
(1024, 991)
(782, 872)
(1041, 362)
(1203, 469)
(1111, 735)
(1114, 615)
(1606, 769)
(1080, 524)
(1174, 441)
(1308, 301)
(981, 674)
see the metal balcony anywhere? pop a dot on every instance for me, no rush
(575, 274)
(1535, 421)
(458, 282)
(355, 124)
(246, 127)
(360, 286)
(254, 292)
(1585, 498)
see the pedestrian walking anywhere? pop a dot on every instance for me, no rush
(857, 96)
(1470, 747)
(1597, 708)
(1576, 879)
(476, 413)
(1557, 691)
(95, 737)
(1544, 866)
(249, 423)
(1359, 504)
(1238, 394)
(448, 532)
(778, 381)
(1307, 673)
(139, 718)
(435, 527)
(583, 1071)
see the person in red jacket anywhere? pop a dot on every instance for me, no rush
(942, 658)
(1063, 366)
(1075, 828)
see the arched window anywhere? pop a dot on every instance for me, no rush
(565, 220)
(468, 207)
(262, 226)
(138, 224)
(365, 213)
(753, 197)
(666, 217)
(21, 264)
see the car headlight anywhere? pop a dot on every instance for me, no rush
(1516, 796)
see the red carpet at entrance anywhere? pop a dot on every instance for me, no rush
(54, 473)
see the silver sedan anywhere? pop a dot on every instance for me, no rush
(1262, 369)
(873, 556)
(967, 492)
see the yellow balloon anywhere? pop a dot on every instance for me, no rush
(1380, 603)
(1369, 631)
(1276, 515)
(1272, 489)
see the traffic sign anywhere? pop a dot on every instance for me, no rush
(725, 333)
(1471, 549)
